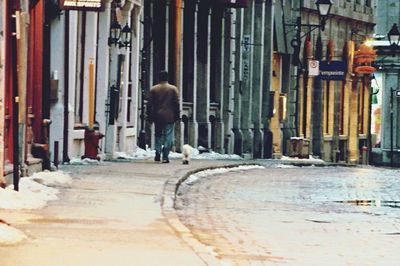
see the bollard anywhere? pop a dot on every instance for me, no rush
(55, 154)
(364, 154)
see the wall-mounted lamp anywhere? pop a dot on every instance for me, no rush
(118, 35)
(115, 33)
(324, 9)
(126, 36)
(394, 36)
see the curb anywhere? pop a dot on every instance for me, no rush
(169, 194)
(167, 202)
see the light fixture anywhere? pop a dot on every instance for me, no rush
(324, 9)
(394, 36)
(126, 36)
(115, 33)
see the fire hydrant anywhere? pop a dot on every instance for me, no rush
(91, 140)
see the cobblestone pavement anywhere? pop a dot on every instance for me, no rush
(297, 215)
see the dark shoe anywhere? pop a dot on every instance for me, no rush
(165, 161)
(157, 158)
(185, 162)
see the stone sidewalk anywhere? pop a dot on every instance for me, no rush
(114, 213)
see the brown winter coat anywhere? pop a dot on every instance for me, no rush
(163, 104)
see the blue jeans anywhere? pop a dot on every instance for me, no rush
(164, 137)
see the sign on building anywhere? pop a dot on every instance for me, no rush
(246, 43)
(313, 68)
(87, 5)
(235, 3)
(332, 70)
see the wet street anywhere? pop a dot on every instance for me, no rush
(296, 215)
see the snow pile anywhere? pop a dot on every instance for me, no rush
(139, 154)
(310, 159)
(34, 191)
(194, 177)
(195, 154)
(86, 161)
(10, 235)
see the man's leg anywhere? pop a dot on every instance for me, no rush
(168, 141)
(158, 142)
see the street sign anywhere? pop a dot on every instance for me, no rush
(313, 68)
(87, 5)
(332, 70)
(246, 43)
(398, 93)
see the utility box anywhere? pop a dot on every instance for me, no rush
(299, 147)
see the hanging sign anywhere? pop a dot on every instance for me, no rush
(86, 5)
(332, 70)
(313, 68)
(235, 3)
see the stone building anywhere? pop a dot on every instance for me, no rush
(332, 114)
(386, 111)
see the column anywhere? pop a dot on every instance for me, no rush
(257, 85)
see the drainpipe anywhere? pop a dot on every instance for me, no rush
(66, 88)
(15, 103)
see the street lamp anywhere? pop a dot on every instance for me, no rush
(324, 9)
(115, 33)
(119, 36)
(394, 36)
(126, 36)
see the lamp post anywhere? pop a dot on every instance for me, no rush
(324, 8)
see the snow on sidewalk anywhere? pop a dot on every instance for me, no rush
(34, 192)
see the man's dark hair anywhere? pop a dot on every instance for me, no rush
(163, 76)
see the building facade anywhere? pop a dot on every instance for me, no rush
(95, 80)
(386, 111)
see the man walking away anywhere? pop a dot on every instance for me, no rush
(163, 110)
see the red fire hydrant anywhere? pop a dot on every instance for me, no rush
(91, 140)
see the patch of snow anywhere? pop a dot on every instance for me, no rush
(209, 172)
(309, 159)
(34, 191)
(137, 155)
(52, 179)
(194, 154)
(10, 235)
(86, 161)
(285, 166)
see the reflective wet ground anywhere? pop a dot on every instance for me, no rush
(297, 215)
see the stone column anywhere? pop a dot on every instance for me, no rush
(111, 127)
(246, 90)
(202, 96)
(267, 77)
(228, 80)
(238, 84)
(353, 123)
(317, 109)
(126, 12)
(258, 53)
